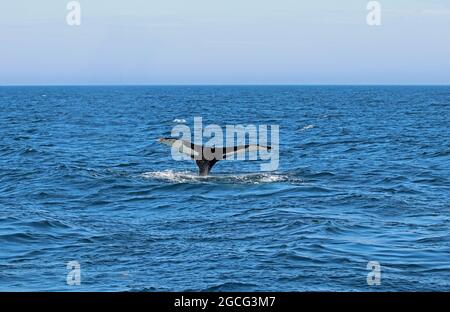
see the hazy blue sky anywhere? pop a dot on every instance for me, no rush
(228, 41)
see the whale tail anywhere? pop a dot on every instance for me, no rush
(205, 166)
(207, 157)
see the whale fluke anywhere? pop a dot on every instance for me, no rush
(206, 157)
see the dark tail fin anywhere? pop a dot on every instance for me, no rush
(204, 166)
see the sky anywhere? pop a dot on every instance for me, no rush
(224, 42)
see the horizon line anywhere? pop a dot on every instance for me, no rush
(223, 84)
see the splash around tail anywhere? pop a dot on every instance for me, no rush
(244, 178)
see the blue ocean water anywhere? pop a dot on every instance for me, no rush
(364, 176)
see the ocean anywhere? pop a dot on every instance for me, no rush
(364, 176)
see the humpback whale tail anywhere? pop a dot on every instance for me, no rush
(205, 166)
(206, 157)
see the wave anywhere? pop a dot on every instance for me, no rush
(245, 178)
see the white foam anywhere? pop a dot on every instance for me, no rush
(172, 176)
(258, 178)
(308, 127)
(191, 177)
(273, 178)
(176, 120)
